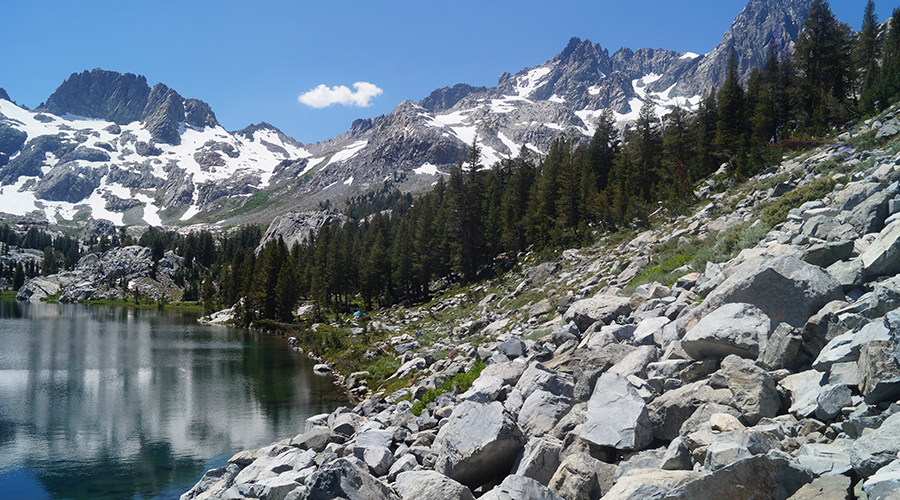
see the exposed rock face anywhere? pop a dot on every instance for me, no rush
(734, 328)
(759, 23)
(11, 139)
(127, 98)
(617, 415)
(29, 161)
(101, 94)
(117, 273)
(68, 182)
(785, 289)
(297, 227)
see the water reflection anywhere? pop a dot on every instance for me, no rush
(109, 402)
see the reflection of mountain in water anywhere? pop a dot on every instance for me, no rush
(98, 400)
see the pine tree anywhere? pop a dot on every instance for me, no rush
(603, 148)
(731, 127)
(18, 277)
(676, 181)
(701, 133)
(889, 80)
(866, 54)
(646, 148)
(823, 54)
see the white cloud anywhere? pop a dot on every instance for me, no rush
(322, 96)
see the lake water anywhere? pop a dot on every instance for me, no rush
(117, 403)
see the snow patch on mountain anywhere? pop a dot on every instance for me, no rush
(348, 152)
(527, 84)
(427, 169)
(145, 172)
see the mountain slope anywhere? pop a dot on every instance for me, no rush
(107, 145)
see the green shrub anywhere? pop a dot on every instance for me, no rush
(777, 212)
(460, 383)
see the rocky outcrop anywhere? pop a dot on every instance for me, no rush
(127, 98)
(119, 273)
(297, 227)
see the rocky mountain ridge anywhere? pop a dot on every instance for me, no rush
(772, 374)
(108, 145)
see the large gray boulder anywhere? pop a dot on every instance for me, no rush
(882, 256)
(761, 477)
(509, 371)
(669, 411)
(877, 448)
(414, 485)
(478, 443)
(879, 373)
(755, 394)
(342, 478)
(520, 488)
(215, 481)
(846, 347)
(541, 411)
(869, 216)
(640, 484)
(636, 362)
(605, 308)
(617, 415)
(782, 349)
(582, 476)
(824, 488)
(831, 401)
(540, 459)
(734, 328)
(538, 377)
(785, 289)
(803, 390)
(316, 439)
(297, 227)
(826, 254)
(885, 484)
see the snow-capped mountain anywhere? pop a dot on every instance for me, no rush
(107, 145)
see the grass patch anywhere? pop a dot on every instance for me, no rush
(255, 201)
(8, 295)
(460, 383)
(777, 212)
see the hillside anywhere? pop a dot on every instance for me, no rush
(752, 342)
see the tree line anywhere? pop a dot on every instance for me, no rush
(479, 218)
(476, 220)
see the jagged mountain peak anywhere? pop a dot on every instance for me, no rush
(249, 132)
(759, 24)
(126, 98)
(4, 95)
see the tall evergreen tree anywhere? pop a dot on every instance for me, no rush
(823, 55)
(889, 79)
(731, 129)
(866, 55)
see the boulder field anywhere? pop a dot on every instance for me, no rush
(773, 375)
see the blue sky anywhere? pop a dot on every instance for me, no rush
(251, 61)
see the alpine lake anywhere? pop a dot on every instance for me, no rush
(110, 402)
